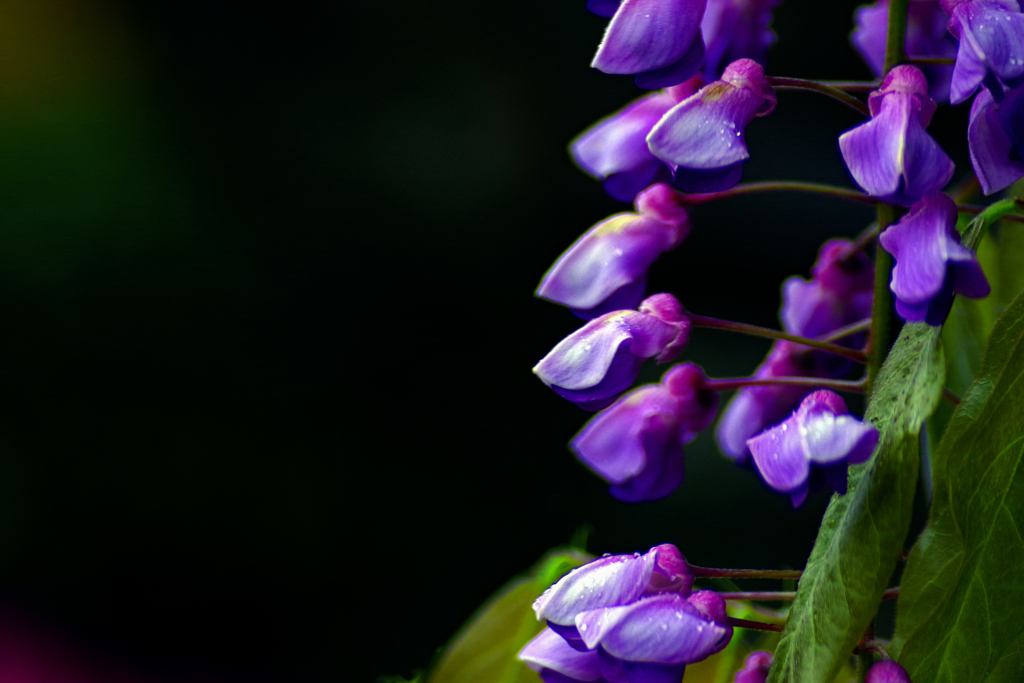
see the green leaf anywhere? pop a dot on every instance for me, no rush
(960, 606)
(485, 647)
(863, 532)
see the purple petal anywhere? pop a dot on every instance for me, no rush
(660, 629)
(926, 167)
(550, 651)
(603, 8)
(798, 497)
(832, 438)
(706, 130)
(755, 669)
(922, 243)
(968, 278)
(712, 180)
(808, 309)
(676, 72)
(697, 403)
(887, 672)
(614, 253)
(779, 456)
(735, 30)
(869, 35)
(605, 582)
(619, 142)
(645, 35)
(992, 148)
(991, 40)
(664, 465)
(642, 672)
(625, 297)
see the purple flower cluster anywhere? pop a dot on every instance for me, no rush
(626, 619)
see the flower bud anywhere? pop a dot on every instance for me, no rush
(702, 138)
(599, 361)
(606, 269)
(887, 672)
(755, 669)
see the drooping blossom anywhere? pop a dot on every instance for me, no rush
(659, 41)
(820, 432)
(931, 264)
(755, 669)
(702, 138)
(606, 268)
(611, 581)
(558, 662)
(614, 149)
(995, 136)
(927, 37)
(991, 35)
(599, 361)
(637, 444)
(887, 672)
(838, 294)
(653, 639)
(891, 156)
(736, 29)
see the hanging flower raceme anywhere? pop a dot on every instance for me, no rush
(991, 35)
(996, 139)
(615, 151)
(887, 672)
(606, 269)
(599, 361)
(821, 432)
(636, 613)
(637, 444)
(702, 138)
(755, 669)
(891, 156)
(736, 29)
(927, 37)
(838, 294)
(931, 264)
(658, 41)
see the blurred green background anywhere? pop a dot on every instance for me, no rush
(266, 320)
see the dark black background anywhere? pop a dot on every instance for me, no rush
(266, 410)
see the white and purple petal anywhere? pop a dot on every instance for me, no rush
(779, 456)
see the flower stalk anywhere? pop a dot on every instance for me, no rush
(757, 331)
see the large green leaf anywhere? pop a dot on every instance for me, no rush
(863, 532)
(959, 615)
(485, 648)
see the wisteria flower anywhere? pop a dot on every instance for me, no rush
(926, 37)
(606, 269)
(991, 35)
(599, 361)
(820, 432)
(995, 136)
(615, 151)
(637, 444)
(611, 581)
(657, 40)
(736, 29)
(891, 156)
(654, 638)
(887, 672)
(839, 293)
(702, 138)
(931, 264)
(755, 669)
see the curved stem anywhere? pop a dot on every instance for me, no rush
(713, 573)
(974, 210)
(850, 386)
(853, 86)
(864, 239)
(931, 61)
(761, 595)
(859, 326)
(704, 321)
(782, 186)
(780, 83)
(756, 625)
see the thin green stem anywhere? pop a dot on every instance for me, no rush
(849, 386)
(714, 573)
(743, 328)
(780, 83)
(896, 36)
(853, 86)
(755, 625)
(878, 344)
(930, 61)
(782, 186)
(974, 210)
(759, 595)
(859, 326)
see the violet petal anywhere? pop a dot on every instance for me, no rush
(550, 651)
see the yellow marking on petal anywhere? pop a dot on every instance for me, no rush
(615, 224)
(714, 92)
